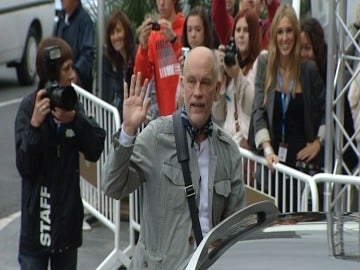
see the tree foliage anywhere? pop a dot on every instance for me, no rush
(137, 10)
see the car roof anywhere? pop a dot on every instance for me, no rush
(283, 250)
(279, 241)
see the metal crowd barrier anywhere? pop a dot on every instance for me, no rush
(104, 208)
(341, 193)
(291, 190)
(342, 207)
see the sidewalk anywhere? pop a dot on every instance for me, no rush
(98, 242)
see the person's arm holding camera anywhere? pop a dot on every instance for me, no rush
(143, 61)
(228, 56)
(41, 108)
(63, 116)
(228, 72)
(144, 33)
(90, 135)
(232, 71)
(28, 137)
(219, 105)
(168, 32)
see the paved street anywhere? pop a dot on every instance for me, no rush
(97, 244)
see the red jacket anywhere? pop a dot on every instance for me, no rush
(160, 60)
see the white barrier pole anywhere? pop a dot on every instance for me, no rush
(102, 207)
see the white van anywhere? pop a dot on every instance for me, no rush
(23, 23)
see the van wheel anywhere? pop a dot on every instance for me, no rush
(26, 70)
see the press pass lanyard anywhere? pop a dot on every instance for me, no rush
(285, 100)
(58, 129)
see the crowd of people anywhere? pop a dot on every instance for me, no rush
(243, 73)
(239, 32)
(157, 54)
(271, 92)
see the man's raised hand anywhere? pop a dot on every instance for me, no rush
(136, 104)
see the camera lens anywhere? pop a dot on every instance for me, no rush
(229, 58)
(155, 26)
(63, 97)
(230, 53)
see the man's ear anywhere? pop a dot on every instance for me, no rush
(182, 87)
(217, 91)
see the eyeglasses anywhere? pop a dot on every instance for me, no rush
(192, 83)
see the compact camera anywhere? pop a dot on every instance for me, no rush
(230, 53)
(184, 51)
(61, 97)
(155, 26)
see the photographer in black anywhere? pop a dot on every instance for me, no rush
(51, 129)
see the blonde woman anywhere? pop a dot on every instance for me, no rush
(289, 102)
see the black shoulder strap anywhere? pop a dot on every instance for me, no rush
(183, 158)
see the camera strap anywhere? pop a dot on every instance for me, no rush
(244, 62)
(236, 115)
(183, 158)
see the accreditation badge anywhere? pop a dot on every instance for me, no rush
(282, 153)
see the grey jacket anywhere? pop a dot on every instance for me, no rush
(314, 102)
(166, 235)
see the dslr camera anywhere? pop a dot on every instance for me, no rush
(61, 97)
(230, 53)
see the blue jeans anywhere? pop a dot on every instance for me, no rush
(58, 261)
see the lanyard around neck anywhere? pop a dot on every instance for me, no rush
(285, 100)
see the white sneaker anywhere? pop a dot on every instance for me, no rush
(86, 226)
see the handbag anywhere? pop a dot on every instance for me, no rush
(183, 158)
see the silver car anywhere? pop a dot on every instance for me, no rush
(259, 237)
